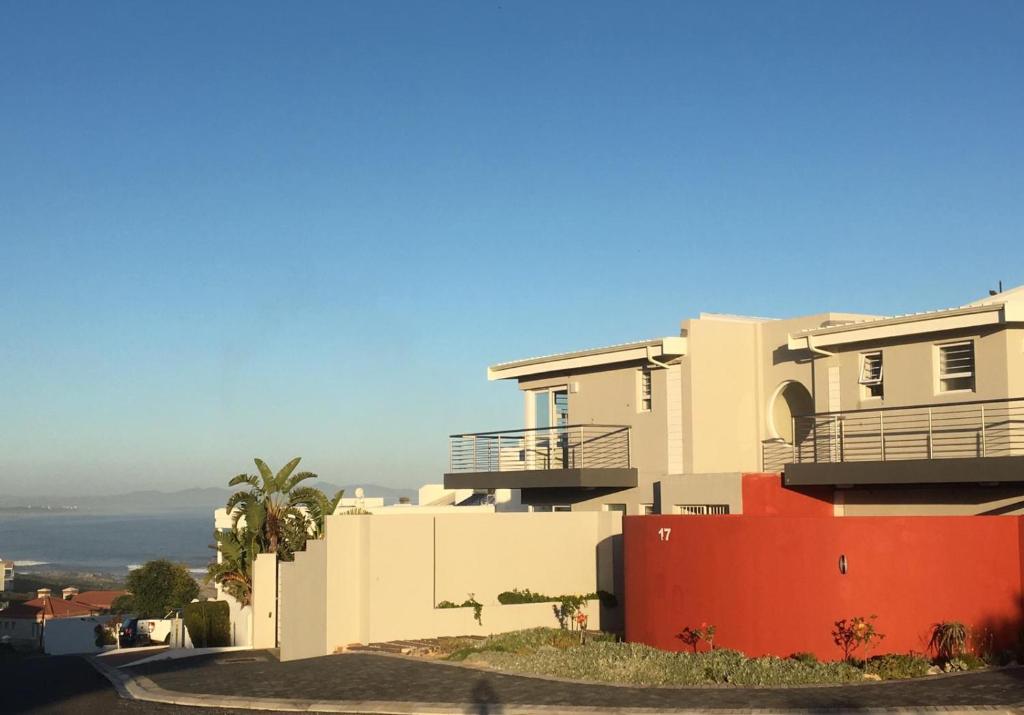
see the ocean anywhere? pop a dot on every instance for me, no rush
(105, 543)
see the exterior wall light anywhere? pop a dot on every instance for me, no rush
(842, 564)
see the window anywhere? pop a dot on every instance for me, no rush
(561, 403)
(956, 367)
(702, 509)
(646, 509)
(621, 508)
(871, 375)
(561, 507)
(645, 403)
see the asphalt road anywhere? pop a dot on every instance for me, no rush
(65, 685)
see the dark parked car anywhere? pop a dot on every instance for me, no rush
(129, 634)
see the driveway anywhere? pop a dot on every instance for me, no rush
(367, 677)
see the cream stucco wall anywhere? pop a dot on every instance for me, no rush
(559, 559)
(377, 579)
(1015, 362)
(264, 601)
(719, 395)
(302, 608)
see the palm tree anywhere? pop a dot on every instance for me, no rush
(319, 507)
(238, 548)
(275, 502)
(274, 515)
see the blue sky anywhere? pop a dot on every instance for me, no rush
(277, 229)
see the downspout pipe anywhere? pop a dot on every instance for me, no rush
(817, 350)
(658, 363)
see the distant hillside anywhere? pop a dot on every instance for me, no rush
(203, 499)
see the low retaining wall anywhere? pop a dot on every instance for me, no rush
(772, 584)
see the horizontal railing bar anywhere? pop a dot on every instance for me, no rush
(933, 406)
(559, 428)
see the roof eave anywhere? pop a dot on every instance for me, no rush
(903, 326)
(660, 349)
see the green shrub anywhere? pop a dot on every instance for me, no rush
(208, 623)
(972, 661)
(895, 666)
(470, 602)
(104, 636)
(477, 607)
(804, 657)
(525, 595)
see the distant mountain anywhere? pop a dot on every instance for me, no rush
(198, 499)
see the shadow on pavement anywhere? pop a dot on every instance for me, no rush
(485, 699)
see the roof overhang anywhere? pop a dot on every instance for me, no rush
(660, 349)
(975, 316)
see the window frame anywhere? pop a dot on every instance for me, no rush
(645, 398)
(942, 379)
(868, 384)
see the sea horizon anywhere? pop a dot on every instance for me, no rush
(110, 544)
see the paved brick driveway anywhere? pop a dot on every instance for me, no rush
(362, 677)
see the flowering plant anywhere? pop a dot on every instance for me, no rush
(853, 633)
(693, 636)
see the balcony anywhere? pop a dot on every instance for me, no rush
(978, 441)
(570, 456)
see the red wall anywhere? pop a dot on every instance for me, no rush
(771, 584)
(764, 495)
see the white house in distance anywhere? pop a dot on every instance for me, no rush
(6, 575)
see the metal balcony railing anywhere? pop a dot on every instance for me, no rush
(564, 447)
(981, 428)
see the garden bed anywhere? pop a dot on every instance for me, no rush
(601, 658)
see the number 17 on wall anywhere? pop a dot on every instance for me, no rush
(664, 532)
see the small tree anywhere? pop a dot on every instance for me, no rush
(157, 588)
